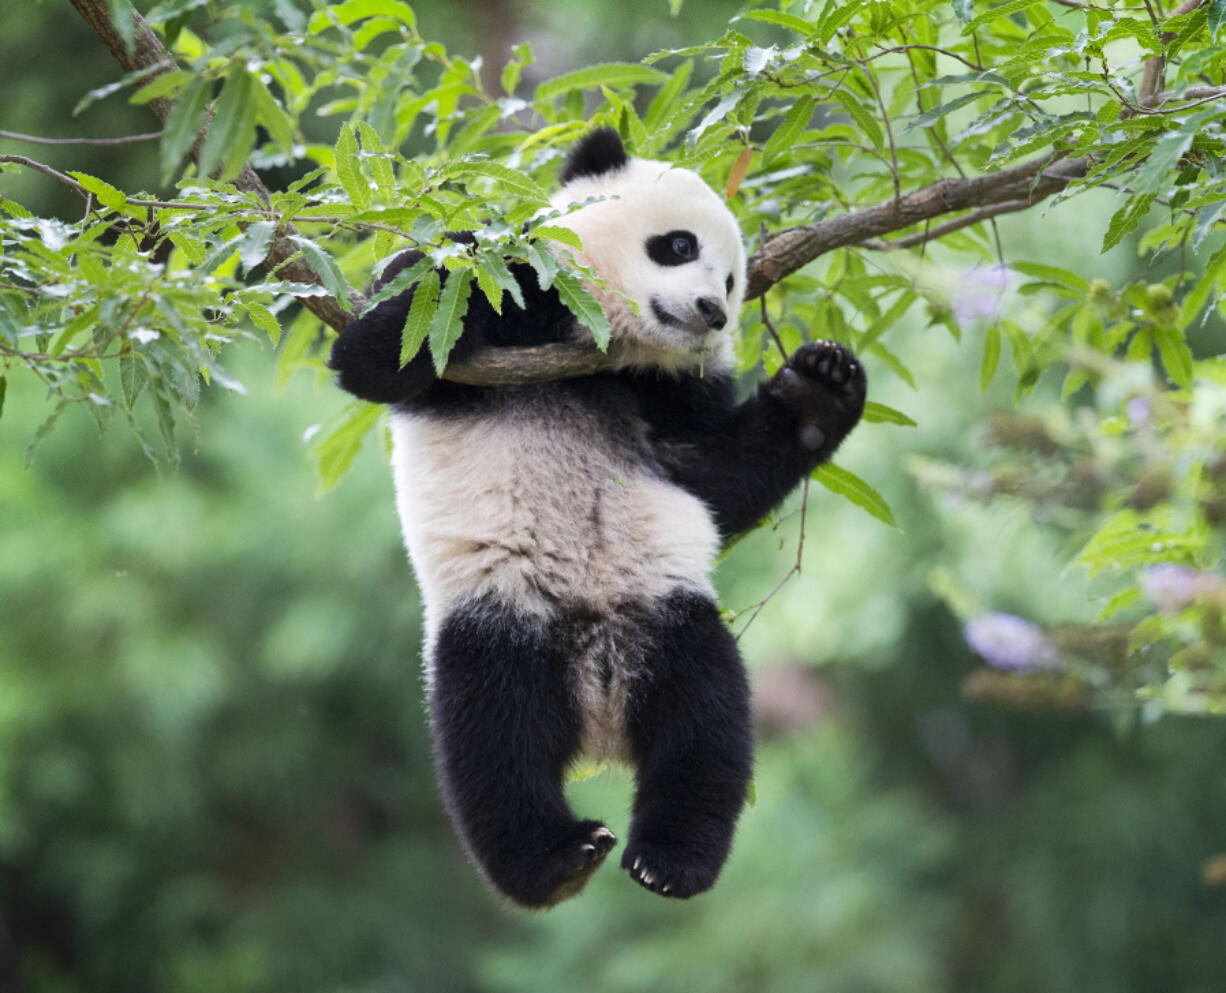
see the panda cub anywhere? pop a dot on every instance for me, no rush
(563, 534)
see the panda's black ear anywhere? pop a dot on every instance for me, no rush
(599, 152)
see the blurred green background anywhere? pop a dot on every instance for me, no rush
(214, 769)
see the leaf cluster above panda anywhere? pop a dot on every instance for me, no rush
(563, 534)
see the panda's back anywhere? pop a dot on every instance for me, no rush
(546, 498)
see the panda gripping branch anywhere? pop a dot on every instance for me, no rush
(563, 534)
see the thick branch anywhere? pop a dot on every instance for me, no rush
(789, 250)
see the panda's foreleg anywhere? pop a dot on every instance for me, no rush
(505, 725)
(689, 728)
(748, 463)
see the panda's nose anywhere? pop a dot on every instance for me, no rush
(711, 312)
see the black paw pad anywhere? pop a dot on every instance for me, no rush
(831, 364)
(669, 872)
(577, 860)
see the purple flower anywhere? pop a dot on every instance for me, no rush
(1171, 587)
(980, 292)
(1009, 642)
(1138, 410)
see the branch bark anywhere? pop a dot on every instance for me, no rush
(780, 255)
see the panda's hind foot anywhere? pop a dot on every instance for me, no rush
(571, 864)
(668, 872)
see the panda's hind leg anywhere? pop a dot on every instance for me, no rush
(690, 730)
(505, 726)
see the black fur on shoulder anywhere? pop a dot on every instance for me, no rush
(599, 152)
(366, 355)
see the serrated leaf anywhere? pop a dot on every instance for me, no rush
(165, 85)
(337, 446)
(1121, 601)
(991, 358)
(399, 283)
(132, 376)
(583, 305)
(326, 269)
(448, 321)
(611, 74)
(273, 116)
(879, 413)
(512, 180)
(790, 129)
(348, 170)
(866, 122)
(231, 132)
(489, 286)
(253, 245)
(417, 320)
(497, 267)
(1176, 356)
(789, 21)
(264, 319)
(107, 194)
(1052, 273)
(354, 10)
(1001, 10)
(184, 123)
(555, 233)
(1126, 218)
(541, 259)
(1217, 17)
(850, 486)
(936, 113)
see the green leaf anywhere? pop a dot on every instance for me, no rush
(1002, 10)
(253, 245)
(611, 74)
(789, 21)
(264, 319)
(936, 113)
(554, 233)
(232, 130)
(991, 358)
(4, 388)
(273, 116)
(964, 10)
(868, 125)
(165, 85)
(132, 377)
(879, 413)
(790, 128)
(326, 269)
(1126, 218)
(338, 445)
(448, 320)
(354, 10)
(521, 57)
(583, 305)
(1217, 17)
(1121, 601)
(510, 179)
(847, 484)
(184, 123)
(417, 320)
(107, 195)
(1052, 273)
(399, 283)
(497, 267)
(489, 286)
(1176, 356)
(348, 169)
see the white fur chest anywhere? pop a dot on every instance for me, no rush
(543, 508)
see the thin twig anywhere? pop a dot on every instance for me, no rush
(766, 319)
(37, 140)
(957, 224)
(793, 571)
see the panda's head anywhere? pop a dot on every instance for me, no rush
(667, 242)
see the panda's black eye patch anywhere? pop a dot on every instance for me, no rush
(728, 284)
(673, 248)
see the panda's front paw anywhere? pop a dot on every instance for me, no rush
(824, 385)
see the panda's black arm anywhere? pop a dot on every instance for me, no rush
(743, 460)
(366, 355)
